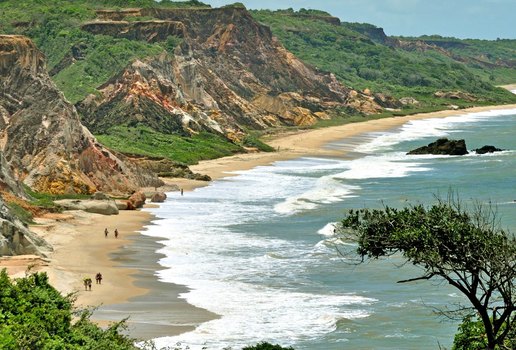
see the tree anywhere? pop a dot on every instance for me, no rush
(34, 315)
(467, 249)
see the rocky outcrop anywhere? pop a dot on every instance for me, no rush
(7, 180)
(137, 200)
(409, 101)
(455, 95)
(229, 75)
(41, 136)
(104, 207)
(159, 197)
(387, 101)
(150, 31)
(118, 15)
(16, 239)
(487, 149)
(443, 146)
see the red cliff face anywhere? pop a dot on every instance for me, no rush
(41, 136)
(228, 75)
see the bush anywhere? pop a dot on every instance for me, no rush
(34, 315)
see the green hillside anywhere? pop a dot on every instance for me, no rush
(54, 26)
(361, 57)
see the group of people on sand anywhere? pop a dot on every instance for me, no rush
(106, 232)
(88, 282)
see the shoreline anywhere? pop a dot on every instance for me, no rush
(129, 264)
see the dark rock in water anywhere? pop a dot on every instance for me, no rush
(443, 146)
(487, 149)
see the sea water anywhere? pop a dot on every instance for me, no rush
(259, 248)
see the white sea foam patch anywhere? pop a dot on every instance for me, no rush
(329, 229)
(424, 128)
(252, 314)
(390, 165)
(326, 190)
(258, 284)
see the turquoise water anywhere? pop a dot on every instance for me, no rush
(259, 250)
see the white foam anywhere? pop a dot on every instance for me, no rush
(251, 280)
(326, 190)
(390, 165)
(329, 229)
(513, 91)
(433, 127)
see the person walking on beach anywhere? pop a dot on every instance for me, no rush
(181, 192)
(87, 283)
(105, 232)
(116, 233)
(98, 278)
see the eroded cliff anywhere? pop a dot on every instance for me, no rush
(41, 136)
(228, 75)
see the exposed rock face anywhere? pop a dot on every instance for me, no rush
(100, 196)
(7, 181)
(411, 101)
(487, 149)
(159, 197)
(137, 200)
(41, 135)
(104, 207)
(150, 31)
(228, 75)
(16, 239)
(443, 146)
(387, 101)
(455, 95)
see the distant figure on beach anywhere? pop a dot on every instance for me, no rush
(181, 192)
(105, 232)
(98, 278)
(87, 283)
(116, 233)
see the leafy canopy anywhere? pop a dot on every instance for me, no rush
(34, 315)
(466, 249)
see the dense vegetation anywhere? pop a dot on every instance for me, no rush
(494, 60)
(146, 141)
(466, 249)
(34, 315)
(356, 55)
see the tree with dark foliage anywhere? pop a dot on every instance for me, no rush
(467, 249)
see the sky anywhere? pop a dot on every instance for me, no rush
(479, 19)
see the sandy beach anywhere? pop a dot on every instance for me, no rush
(128, 264)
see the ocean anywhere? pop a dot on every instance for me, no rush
(259, 248)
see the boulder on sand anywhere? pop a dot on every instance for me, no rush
(137, 199)
(158, 197)
(104, 207)
(100, 196)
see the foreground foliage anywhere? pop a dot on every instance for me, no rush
(34, 315)
(466, 249)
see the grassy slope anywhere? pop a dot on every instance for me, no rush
(361, 63)
(491, 51)
(54, 25)
(55, 28)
